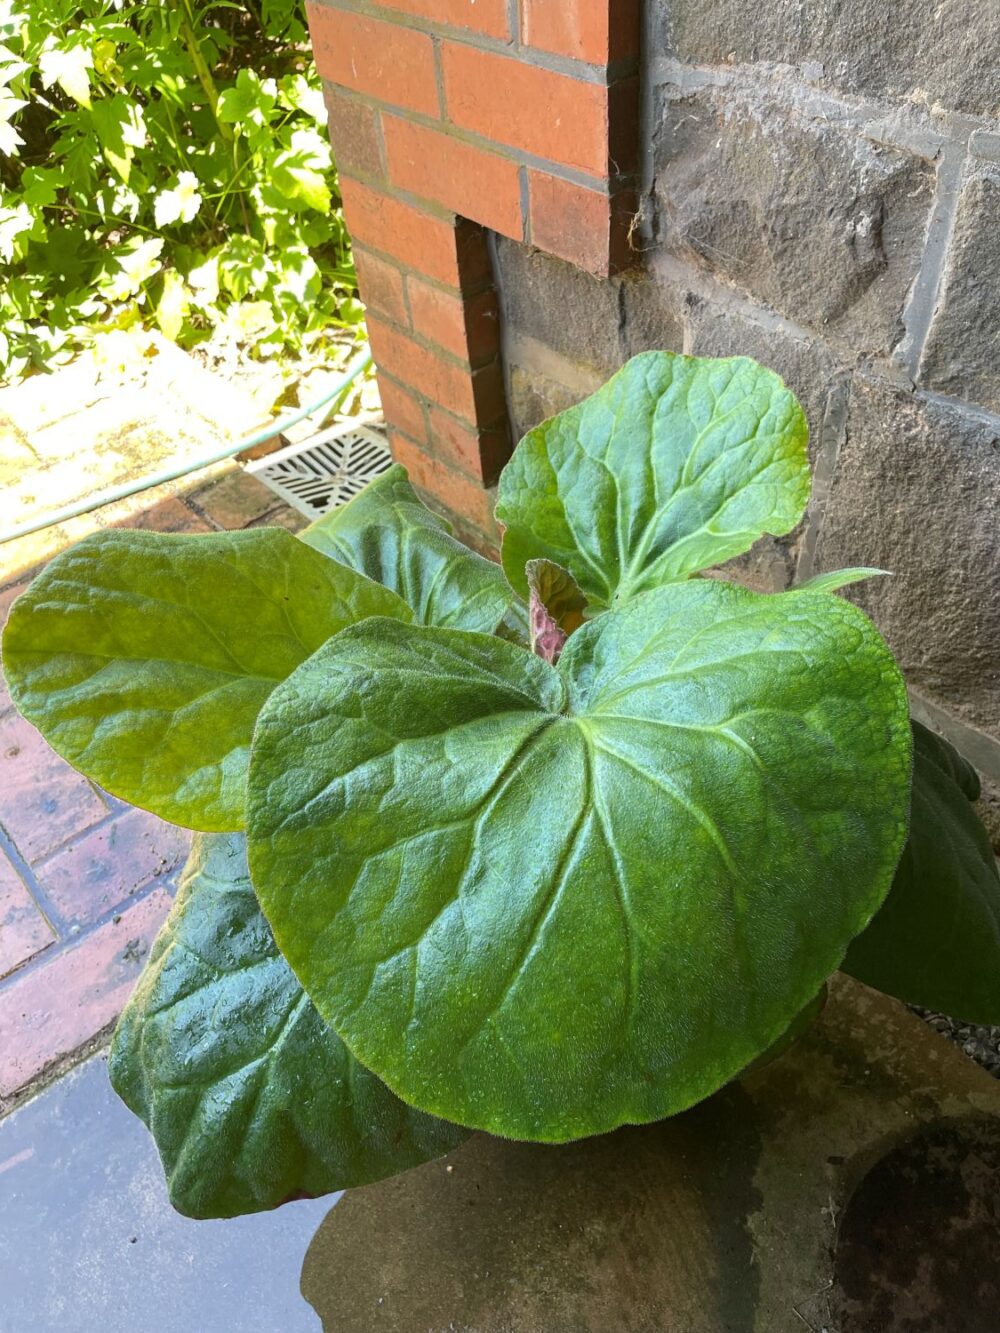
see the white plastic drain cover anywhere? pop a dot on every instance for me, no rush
(325, 471)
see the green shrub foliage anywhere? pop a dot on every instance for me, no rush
(541, 848)
(164, 162)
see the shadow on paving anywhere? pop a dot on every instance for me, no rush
(89, 1243)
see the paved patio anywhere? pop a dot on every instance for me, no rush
(85, 881)
(90, 1244)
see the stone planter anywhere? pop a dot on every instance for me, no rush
(850, 1186)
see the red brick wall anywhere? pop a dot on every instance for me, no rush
(449, 117)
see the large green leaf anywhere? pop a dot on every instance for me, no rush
(250, 1097)
(936, 942)
(388, 534)
(144, 658)
(676, 464)
(545, 900)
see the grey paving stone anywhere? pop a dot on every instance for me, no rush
(89, 1243)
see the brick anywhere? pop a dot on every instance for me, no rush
(381, 287)
(283, 517)
(484, 544)
(455, 492)
(472, 181)
(24, 932)
(107, 866)
(584, 226)
(598, 31)
(468, 328)
(476, 395)
(485, 16)
(354, 133)
(43, 802)
(623, 128)
(383, 60)
(435, 246)
(481, 452)
(51, 1011)
(402, 408)
(508, 101)
(170, 515)
(235, 500)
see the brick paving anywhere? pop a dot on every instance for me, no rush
(85, 881)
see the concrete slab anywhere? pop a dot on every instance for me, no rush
(848, 1187)
(89, 1243)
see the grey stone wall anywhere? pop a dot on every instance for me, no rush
(822, 192)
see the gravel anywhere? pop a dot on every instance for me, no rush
(981, 1043)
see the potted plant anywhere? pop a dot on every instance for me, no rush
(540, 849)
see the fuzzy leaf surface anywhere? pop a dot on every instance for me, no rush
(388, 534)
(936, 941)
(144, 658)
(676, 464)
(545, 901)
(250, 1097)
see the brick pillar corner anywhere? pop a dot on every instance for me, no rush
(449, 118)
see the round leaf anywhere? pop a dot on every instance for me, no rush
(545, 901)
(144, 658)
(676, 464)
(389, 535)
(250, 1097)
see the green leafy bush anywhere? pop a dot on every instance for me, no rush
(164, 163)
(541, 849)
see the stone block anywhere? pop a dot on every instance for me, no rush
(825, 227)
(850, 1185)
(810, 370)
(807, 366)
(534, 397)
(930, 51)
(653, 313)
(962, 355)
(916, 492)
(571, 312)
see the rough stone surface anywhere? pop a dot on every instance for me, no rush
(721, 1220)
(570, 311)
(916, 492)
(534, 397)
(808, 367)
(653, 314)
(932, 51)
(824, 226)
(962, 356)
